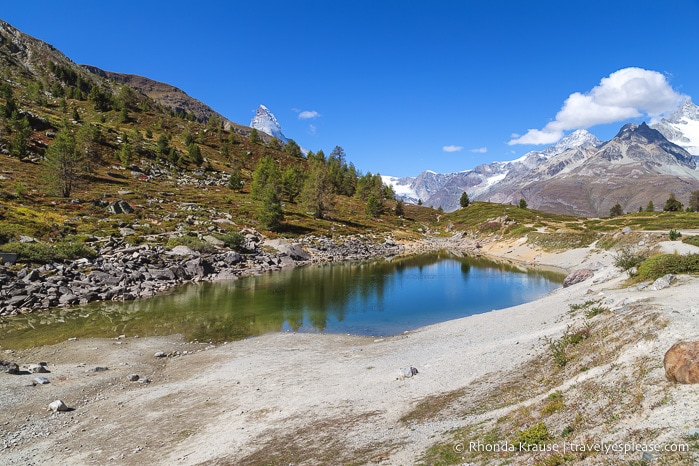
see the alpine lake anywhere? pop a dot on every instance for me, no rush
(380, 297)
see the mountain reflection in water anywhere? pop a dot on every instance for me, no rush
(379, 297)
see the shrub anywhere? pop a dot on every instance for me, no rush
(534, 436)
(233, 240)
(693, 240)
(658, 266)
(674, 235)
(42, 253)
(554, 404)
(626, 259)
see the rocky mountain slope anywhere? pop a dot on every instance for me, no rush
(579, 175)
(168, 96)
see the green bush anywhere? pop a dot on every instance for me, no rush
(626, 259)
(535, 436)
(693, 240)
(43, 253)
(658, 266)
(674, 235)
(233, 240)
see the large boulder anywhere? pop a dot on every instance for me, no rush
(682, 362)
(294, 251)
(577, 276)
(9, 367)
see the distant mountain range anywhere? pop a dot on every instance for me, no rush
(579, 175)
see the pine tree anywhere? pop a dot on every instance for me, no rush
(236, 180)
(270, 212)
(522, 203)
(293, 149)
(317, 193)
(64, 165)
(616, 211)
(265, 173)
(194, 154)
(19, 145)
(672, 204)
(255, 136)
(694, 201)
(374, 206)
(400, 210)
(650, 207)
(464, 201)
(292, 182)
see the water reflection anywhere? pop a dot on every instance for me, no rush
(380, 297)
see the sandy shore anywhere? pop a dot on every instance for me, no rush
(307, 398)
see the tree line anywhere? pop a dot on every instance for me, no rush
(315, 188)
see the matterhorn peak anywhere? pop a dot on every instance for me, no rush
(265, 121)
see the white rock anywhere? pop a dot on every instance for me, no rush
(58, 405)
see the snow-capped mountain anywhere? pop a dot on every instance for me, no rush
(579, 175)
(682, 127)
(265, 121)
(444, 189)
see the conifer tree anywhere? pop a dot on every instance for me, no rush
(270, 211)
(317, 194)
(64, 166)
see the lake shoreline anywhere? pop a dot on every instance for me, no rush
(321, 398)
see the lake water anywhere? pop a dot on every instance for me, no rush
(379, 298)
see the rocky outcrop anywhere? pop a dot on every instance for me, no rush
(124, 272)
(682, 362)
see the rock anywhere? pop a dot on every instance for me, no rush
(232, 258)
(26, 239)
(213, 240)
(58, 405)
(8, 258)
(626, 230)
(126, 231)
(98, 369)
(663, 282)
(160, 354)
(9, 367)
(682, 362)
(119, 207)
(182, 250)
(32, 276)
(37, 368)
(41, 380)
(198, 268)
(577, 276)
(408, 372)
(294, 251)
(132, 377)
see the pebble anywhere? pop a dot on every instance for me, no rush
(41, 381)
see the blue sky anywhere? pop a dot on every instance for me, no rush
(403, 86)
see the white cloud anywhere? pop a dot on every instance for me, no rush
(308, 114)
(452, 148)
(480, 150)
(624, 94)
(312, 129)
